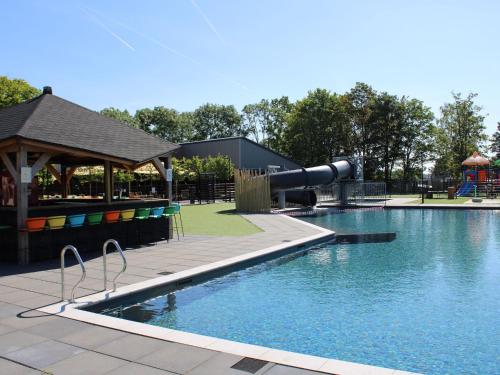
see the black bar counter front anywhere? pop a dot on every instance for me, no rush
(47, 244)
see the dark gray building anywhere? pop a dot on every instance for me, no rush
(243, 152)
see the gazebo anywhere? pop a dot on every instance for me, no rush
(51, 132)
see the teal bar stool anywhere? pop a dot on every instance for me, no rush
(157, 212)
(168, 213)
(75, 221)
(177, 210)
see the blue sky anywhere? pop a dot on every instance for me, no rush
(183, 53)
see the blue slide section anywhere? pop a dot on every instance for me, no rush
(465, 189)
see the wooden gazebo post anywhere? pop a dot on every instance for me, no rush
(22, 206)
(108, 181)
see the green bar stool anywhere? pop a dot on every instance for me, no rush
(94, 218)
(170, 212)
(142, 213)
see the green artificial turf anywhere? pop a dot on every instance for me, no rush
(459, 200)
(217, 219)
(403, 196)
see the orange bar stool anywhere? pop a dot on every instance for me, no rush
(111, 216)
(35, 224)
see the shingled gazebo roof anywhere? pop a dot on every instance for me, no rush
(52, 120)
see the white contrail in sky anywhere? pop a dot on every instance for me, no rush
(166, 47)
(207, 21)
(111, 32)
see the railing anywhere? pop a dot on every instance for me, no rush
(84, 273)
(104, 260)
(355, 192)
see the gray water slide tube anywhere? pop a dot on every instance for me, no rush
(306, 178)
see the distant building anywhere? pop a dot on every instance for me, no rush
(243, 152)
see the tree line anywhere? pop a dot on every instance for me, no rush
(394, 134)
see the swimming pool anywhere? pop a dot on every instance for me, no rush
(427, 302)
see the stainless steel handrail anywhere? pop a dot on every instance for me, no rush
(84, 273)
(124, 267)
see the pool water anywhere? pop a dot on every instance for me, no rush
(427, 302)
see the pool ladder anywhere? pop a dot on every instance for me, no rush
(84, 272)
(124, 262)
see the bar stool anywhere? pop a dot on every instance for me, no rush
(94, 218)
(35, 224)
(56, 222)
(170, 212)
(126, 227)
(177, 207)
(75, 221)
(141, 214)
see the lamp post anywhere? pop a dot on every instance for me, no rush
(422, 180)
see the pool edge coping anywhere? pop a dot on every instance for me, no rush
(303, 361)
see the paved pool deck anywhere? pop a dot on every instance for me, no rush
(33, 342)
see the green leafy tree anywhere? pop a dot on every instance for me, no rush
(318, 129)
(359, 103)
(386, 116)
(416, 135)
(189, 169)
(162, 122)
(217, 121)
(122, 116)
(266, 121)
(460, 132)
(495, 142)
(15, 91)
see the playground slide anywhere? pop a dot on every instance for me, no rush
(465, 189)
(306, 178)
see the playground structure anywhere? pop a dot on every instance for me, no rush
(254, 191)
(480, 178)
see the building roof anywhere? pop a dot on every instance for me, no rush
(51, 119)
(244, 139)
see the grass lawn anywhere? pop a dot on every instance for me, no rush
(218, 219)
(459, 200)
(403, 196)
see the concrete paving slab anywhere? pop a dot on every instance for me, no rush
(91, 337)
(57, 328)
(43, 354)
(137, 369)
(84, 364)
(12, 368)
(17, 340)
(177, 358)
(131, 347)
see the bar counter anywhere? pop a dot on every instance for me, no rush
(47, 244)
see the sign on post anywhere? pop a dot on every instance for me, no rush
(169, 174)
(26, 175)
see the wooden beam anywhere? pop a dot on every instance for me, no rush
(8, 164)
(70, 173)
(40, 163)
(54, 172)
(64, 182)
(159, 167)
(108, 181)
(22, 208)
